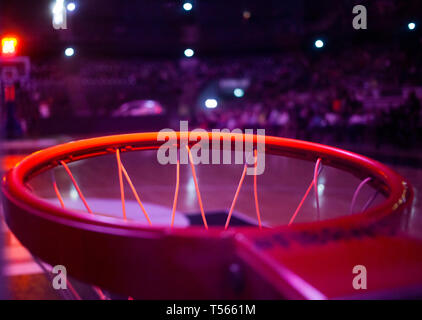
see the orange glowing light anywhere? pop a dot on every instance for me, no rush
(10, 161)
(8, 46)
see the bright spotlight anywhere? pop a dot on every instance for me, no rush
(319, 43)
(71, 6)
(238, 92)
(8, 46)
(59, 14)
(189, 53)
(211, 103)
(187, 6)
(69, 52)
(411, 26)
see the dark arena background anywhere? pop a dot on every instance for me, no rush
(325, 205)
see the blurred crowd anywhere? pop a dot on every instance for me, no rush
(352, 95)
(329, 122)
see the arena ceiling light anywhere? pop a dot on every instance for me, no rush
(411, 26)
(69, 52)
(319, 43)
(189, 53)
(71, 6)
(187, 6)
(238, 92)
(211, 103)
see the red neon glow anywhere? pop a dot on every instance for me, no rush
(122, 190)
(176, 192)
(255, 189)
(236, 195)
(75, 184)
(122, 167)
(198, 194)
(8, 46)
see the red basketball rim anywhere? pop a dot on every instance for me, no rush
(398, 191)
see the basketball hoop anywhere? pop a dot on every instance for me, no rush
(147, 261)
(14, 69)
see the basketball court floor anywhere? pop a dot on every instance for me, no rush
(280, 189)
